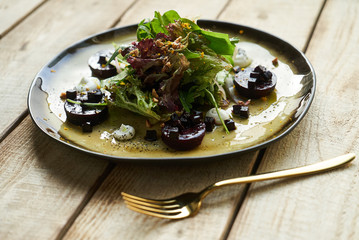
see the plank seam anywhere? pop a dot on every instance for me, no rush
(242, 196)
(14, 124)
(240, 200)
(118, 20)
(95, 187)
(100, 180)
(314, 27)
(223, 9)
(17, 23)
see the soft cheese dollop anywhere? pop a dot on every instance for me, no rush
(240, 58)
(88, 84)
(213, 113)
(125, 132)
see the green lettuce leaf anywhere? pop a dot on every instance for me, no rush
(218, 42)
(130, 96)
(207, 53)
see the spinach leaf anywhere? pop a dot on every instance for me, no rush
(219, 42)
(169, 17)
(144, 30)
(185, 70)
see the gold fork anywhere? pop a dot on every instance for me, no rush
(188, 204)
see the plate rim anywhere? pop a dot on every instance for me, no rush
(287, 129)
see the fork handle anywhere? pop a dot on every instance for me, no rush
(293, 172)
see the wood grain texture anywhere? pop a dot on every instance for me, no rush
(186, 8)
(106, 215)
(291, 21)
(42, 183)
(35, 41)
(323, 206)
(13, 11)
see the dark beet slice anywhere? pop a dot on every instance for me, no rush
(94, 96)
(185, 139)
(209, 121)
(151, 135)
(71, 94)
(255, 83)
(83, 110)
(184, 132)
(86, 127)
(97, 64)
(196, 119)
(241, 111)
(230, 124)
(79, 114)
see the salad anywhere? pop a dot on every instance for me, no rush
(177, 75)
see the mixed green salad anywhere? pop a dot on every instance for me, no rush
(173, 66)
(173, 73)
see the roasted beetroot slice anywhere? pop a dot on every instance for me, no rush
(79, 115)
(185, 139)
(97, 64)
(256, 89)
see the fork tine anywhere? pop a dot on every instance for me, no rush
(152, 205)
(154, 214)
(129, 196)
(154, 209)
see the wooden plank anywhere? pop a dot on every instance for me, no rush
(292, 22)
(106, 215)
(39, 38)
(186, 8)
(323, 206)
(13, 11)
(42, 183)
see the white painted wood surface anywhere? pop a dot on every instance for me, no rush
(48, 191)
(323, 206)
(12, 12)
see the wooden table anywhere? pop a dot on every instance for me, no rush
(49, 191)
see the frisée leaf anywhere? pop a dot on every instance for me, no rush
(172, 67)
(128, 95)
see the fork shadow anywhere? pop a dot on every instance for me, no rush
(70, 167)
(162, 181)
